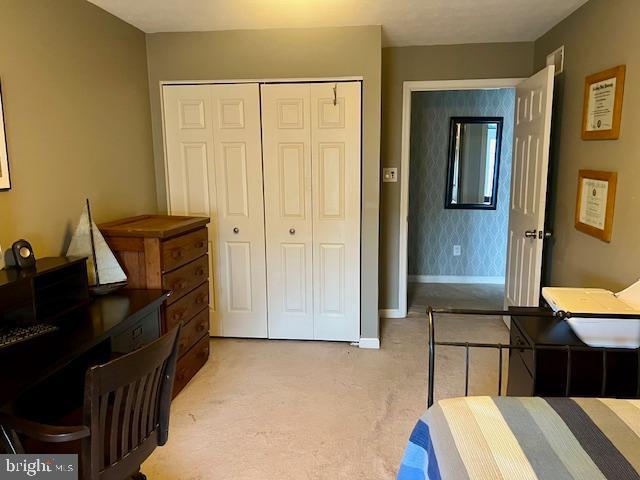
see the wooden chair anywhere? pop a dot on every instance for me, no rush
(125, 414)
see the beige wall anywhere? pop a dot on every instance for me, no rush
(285, 53)
(601, 34)
(447, 62)
(76, 106)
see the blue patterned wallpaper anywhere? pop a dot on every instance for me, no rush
(433, 230)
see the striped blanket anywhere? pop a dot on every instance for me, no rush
(525, 438)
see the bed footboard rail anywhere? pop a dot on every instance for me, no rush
(500, 347)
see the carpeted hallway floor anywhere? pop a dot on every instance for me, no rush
(280, 410)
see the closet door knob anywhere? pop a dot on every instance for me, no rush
(236, 230)
(292, 231)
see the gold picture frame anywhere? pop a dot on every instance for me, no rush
(595, 203)
(602, 107)
(5, 179)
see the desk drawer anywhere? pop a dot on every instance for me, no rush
(193, 331)
(183, 249)
(183, 279)
(142, 332)
(184, 309)
(190, 363)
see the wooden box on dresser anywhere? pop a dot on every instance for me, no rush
(170, 252)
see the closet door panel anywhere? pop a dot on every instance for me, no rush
(239, 216)
(189, 148)
(287, 196)
(188, 130)
(238, 279)
(336, 165)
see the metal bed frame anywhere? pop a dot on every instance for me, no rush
(519, 311)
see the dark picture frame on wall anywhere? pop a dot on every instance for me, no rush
(473, 163)
(5, 178)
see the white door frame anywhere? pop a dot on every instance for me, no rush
(407, 89)
(370, 343)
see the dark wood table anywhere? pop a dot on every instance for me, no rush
(542, 367)
(117, 323)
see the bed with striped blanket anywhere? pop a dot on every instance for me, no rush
(525, 438)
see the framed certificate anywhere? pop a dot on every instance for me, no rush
(596, 202)
(602, 110)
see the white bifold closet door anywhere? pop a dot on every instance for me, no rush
(311, 158)
(214, 168)
(286, 139)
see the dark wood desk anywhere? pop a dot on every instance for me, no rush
(545, 373)
(121, 321)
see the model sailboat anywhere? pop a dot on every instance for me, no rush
(104, 271)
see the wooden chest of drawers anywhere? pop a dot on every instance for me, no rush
(170, 252)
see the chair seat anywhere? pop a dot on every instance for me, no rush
(31, 445)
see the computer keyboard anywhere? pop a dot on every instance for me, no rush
(20, 334)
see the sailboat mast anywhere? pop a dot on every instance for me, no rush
(93, 247)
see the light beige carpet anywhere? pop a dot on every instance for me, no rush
(318, 410)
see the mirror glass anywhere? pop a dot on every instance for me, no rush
(474, 161)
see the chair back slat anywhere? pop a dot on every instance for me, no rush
(126, 419)
(152, 419)
(103, 406)
(122, 438)
(137, 410)
(115, 425)
(144, 419)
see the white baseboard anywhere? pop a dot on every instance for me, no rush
(390, 313)
(455, 279)
(373, 343)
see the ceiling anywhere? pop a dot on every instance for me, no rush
(404, 22)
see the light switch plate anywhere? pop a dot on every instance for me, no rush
(457, 250)
(390, 174)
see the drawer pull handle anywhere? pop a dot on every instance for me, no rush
(201, 327)
(200, 272)
(176, 253)
(199, 244)
(201, 299)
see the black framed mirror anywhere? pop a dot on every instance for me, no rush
(474, 162)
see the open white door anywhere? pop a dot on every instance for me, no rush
(532, 132)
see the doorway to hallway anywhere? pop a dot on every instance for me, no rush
(453, 295)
